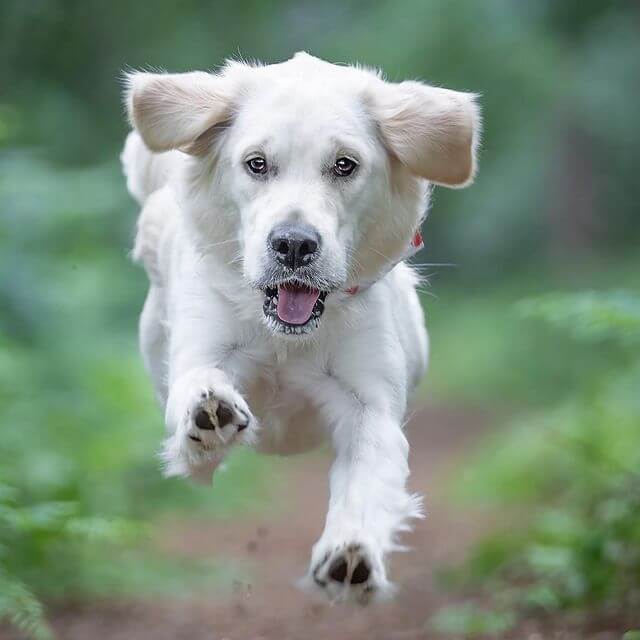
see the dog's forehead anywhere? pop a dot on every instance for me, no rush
(306, 97)
(292, 102)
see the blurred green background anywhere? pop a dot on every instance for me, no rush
(537, 321)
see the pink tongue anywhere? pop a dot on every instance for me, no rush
(295, 304)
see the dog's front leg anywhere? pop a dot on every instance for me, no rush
(368, 506)
(205, 412)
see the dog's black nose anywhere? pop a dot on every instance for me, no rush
(294, 245)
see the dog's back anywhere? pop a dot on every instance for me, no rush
(145, 171)
(148, 177)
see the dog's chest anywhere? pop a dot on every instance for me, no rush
(278, 382)
(280, 396)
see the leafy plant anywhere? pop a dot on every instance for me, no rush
(575, 471)
(20, 607)
(37, 530)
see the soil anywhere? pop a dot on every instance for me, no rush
(277, 549)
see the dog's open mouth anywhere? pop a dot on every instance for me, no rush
(293, 308)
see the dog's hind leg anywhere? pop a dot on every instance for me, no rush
(153, 342)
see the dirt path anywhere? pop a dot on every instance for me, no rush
(276, 549)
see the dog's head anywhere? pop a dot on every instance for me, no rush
(309, 177)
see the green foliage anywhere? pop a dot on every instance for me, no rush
(589, 316)
(22, 608)
(558, 89)
(574, 473)
(484, 354)
(28, 534)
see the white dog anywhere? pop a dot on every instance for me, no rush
(278, 203)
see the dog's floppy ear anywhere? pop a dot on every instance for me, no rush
(173, 111)
(433, 132)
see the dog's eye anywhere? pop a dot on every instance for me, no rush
(344, 167)
(257, 164)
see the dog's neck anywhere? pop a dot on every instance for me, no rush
(416, 244)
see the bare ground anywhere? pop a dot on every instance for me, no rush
(277, 549)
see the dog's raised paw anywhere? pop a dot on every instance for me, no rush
(207, 420)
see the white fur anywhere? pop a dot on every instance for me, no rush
(202, 238)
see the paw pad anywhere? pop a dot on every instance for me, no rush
(224, 414)
(360, 573)
(203, 421)
(339, 572)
